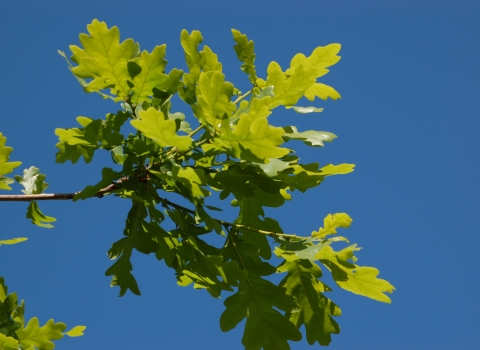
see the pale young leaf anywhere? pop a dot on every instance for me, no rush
(152, 123)
(331, 223)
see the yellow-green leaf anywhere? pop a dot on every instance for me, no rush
(153, 124)
(321, 91)
(360, 280)
(150, 73)
(213, 94)
(211, 60)
(6, 166)
(340, 169)
(8, 343)
(253, 136)
(75, 331)
(13, 240)
(40, 337)
(190, 44)
(245, 53)
(37, 217)
(331, 223)
(321, 58)
(103, 58)
(289, 89)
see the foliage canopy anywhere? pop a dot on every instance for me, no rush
(234, 151)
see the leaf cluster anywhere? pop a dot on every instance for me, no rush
(234, 151)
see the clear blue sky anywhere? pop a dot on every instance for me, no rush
(408, 118)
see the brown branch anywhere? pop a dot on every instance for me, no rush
(114, 186)
(48, 196)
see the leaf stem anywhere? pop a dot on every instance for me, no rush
(243, 96)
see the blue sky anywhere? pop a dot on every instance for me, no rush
(408, 118)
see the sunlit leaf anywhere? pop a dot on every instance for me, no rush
(13, 240)
(331, 223)
(103, 58)
(75, 331)
(153, 124)
(6, 166)
(321, 91)
(147, 72)
(40, 337)
(245, 53)
(360, 280)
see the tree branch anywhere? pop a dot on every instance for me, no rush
(113, 186)
(48, 196)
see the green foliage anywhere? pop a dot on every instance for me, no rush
(6, 167)
(16, 333)
(34, 183)
(234, 151)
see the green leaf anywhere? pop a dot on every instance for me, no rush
(40, 337)
(309, 137)
(37, 217)
(204, 269)
(257, 300)
(6, 166)
(289, 89)
(147, 71)
(360, 280)
(8, 343)
(213, 98)
(321, 91)
(104, 59)
(211, 60)
(108, 177)
(13, 240)
(190, 44)
(154, 125)
(251, 212)
(32, 181)
(330, 223)
(253, 138)
(245, 53)
(321, 58)
(137, 237)
(315, 310)
(340, 169)
(76, 331)
(192, 180)
(77, 142)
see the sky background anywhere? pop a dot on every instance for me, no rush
(408, 118)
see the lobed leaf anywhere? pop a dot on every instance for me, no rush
(245, 53)
(147, 72)
(330, 223)
(321, 91)
(213, 98)
(32, 181)
(253, 139)
(40, 337)
(37, 217)
(257, 300)
(152, 123)
(6, 166)
(315, 310)
(360, 280)
(104, 59)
